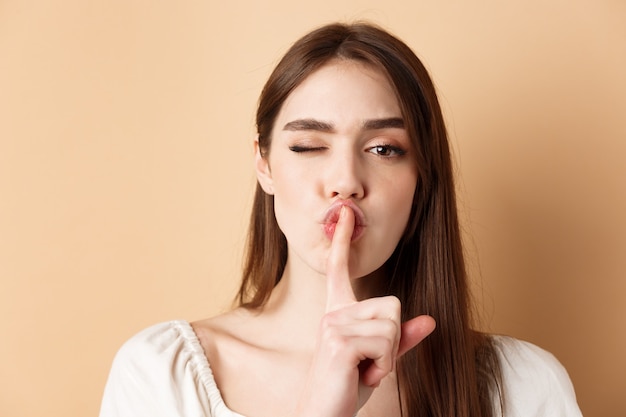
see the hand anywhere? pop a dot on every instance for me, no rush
(358, 342)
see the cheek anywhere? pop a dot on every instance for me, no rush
(295, 188)
(282, 212)
(403, 204)
(289, 204)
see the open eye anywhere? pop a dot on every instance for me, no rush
(386, 150)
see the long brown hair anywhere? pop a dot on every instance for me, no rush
(454, 372)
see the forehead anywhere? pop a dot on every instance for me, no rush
(341, 90)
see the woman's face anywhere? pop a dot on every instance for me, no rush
(339, 139)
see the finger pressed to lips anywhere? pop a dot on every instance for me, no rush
(339, 287)
(331, 219)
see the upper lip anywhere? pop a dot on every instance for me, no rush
(332, 213)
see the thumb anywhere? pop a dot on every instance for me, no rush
(414, 331)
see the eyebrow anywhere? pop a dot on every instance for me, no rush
(388, 123)
(321, 126)
(309, 124)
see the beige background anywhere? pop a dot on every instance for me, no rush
(126, 178)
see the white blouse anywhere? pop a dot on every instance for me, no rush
(163, 372)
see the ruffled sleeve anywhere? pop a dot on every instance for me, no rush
(535, 382)
(162, 372)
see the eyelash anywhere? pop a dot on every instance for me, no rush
(396, 151)
(301, 149)
(377, 150)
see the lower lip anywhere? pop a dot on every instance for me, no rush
(329, 231)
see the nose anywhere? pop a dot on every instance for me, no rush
(344, 177)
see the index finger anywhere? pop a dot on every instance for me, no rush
(339, 292)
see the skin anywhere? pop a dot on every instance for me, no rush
(340, 115)
(326, 343)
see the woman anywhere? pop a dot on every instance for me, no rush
(354, 253)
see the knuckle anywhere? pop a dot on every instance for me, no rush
(387, 345)
(394, 302)
(394, 306)
(328, 330)
(336, 345)
(329, 320)
(390, 329)
(385, 360)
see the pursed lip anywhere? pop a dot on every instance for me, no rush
(331, 216)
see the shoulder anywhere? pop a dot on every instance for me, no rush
(534, 381)
(159, 371)
(524, 358)
(164, 347)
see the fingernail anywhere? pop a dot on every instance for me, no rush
(342, 212)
